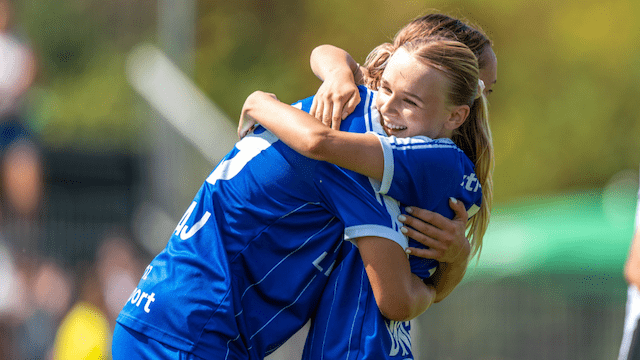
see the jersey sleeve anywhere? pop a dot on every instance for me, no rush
(425, 172)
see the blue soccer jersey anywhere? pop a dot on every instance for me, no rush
(418, 171)
(247, 263)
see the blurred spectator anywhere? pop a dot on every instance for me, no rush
(21, 180)
(105, 286)
(47, 301)
(38, 290)
(32, 301)
(8, 300)
(119, 269)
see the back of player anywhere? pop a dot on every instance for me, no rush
(247, 263)
(348, 323)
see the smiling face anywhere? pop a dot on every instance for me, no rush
(412, 98)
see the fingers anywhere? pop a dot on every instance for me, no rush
(422, 232)
(244, 130)
(445, 238)
(242, 133)
(326, 114)
(354, 100)
(425, 217)
(336, 118)
(458, 208)
(422, 253)
(314, 107)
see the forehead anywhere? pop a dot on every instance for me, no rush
(410, 74)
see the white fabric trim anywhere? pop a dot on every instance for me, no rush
(354, 232)
(382, 187)
(630, 321)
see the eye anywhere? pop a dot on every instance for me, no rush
(410, 102)
(385, 89)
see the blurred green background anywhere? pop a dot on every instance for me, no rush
(563, 114)
(564, 118)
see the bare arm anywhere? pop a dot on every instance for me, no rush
(331, 61)
(400, 295)
(446, 241)
(361, 153)
(632, 266)
(338, 95)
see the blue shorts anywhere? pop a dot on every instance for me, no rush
(129, 344)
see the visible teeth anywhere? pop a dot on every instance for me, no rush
(394, 127)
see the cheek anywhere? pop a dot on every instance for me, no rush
(381, 99)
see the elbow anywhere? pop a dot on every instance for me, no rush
(315, 144)
(396, 308)
(252, 102)
(319, 50)
(407, 304)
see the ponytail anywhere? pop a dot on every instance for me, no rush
(474, 138)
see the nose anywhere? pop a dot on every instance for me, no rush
(388, 104)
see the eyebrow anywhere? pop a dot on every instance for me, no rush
(383, 81)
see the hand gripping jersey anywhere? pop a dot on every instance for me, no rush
(247, 263)
(418, 171)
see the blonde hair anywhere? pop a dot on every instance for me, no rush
(460, 66)
(445, 26)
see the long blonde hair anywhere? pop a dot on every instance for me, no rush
(441, 25)
(460, 65)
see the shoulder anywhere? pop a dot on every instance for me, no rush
(442, 154)
(367, 96)
(423, 144)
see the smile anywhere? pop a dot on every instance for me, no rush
(394, 127)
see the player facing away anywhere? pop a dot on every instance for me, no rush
(247, 263)
(424, 93)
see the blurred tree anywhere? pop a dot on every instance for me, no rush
(563, 111)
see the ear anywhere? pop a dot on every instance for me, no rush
(457, 117)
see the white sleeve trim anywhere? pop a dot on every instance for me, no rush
(382, 187)
(354, 232)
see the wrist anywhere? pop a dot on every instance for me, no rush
(463, 255)
(339, 74)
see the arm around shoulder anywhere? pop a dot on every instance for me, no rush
(331, 61)
(361, 153)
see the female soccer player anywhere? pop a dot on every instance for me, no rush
(338, 94)
(336, 97)
(408, 108)
(247, 263)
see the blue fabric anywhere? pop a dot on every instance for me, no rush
(247, 263)
(423, 172)
(130, 345)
